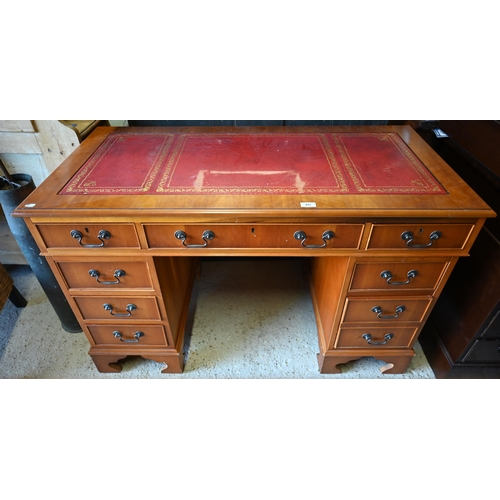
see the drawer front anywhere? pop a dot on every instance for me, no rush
(106, 275)
(89, 235)
(254, 236)
(128, 335)
(484, 351)
(393, 310)
(397, 276)
(376, 337)
(118, 308)
(425, 236)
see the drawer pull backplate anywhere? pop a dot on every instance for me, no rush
(300, 235)
(102, 235)
(368, 338)
(206, 236)
(378, 311)
(118, 274)
(408, 237)
(387, 275)
(137, 336)
(129, 308)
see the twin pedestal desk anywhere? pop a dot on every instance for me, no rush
(380, 218)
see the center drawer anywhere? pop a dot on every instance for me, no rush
(118, 308)
(254, 236)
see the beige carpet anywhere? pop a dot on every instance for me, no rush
(241, 325)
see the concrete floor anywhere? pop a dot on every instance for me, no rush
(241, 325)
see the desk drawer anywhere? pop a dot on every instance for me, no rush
(253, 236)
(81, 235)
(484, 351)
(397, 276)
(388, 310)
(106, 275)
(128, 335)
(424, 236)
(376, 337)
(118, 308)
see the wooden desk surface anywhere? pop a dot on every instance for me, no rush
(444, 194)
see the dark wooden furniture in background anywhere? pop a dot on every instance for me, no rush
(9, 291)
(126, 268)
(462, 336)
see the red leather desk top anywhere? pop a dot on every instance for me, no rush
(257, 163)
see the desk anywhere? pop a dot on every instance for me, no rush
(379, 218)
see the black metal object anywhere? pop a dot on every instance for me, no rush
(101, 236)
(408, 237)
(378, 311)
(387, 275)
(300, 235)
(137, 336)
(129, 309)
(368, 338)
(118, 274)
(10, 199)
(250, 123)
(207, 235)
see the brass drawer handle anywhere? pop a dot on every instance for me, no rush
(387, 275)
(102, 235)
(300, 235)
(129, 308)
(118, 274)
(408, 237)
(207, 235)
(368, 338)
(137, 336)
(378, 311)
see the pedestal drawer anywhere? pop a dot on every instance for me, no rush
(397, 276)
(422, 236)
(128, 335)
(484, 351)
(81, 235)
(118, 308)
(393, 310)
(254, 236)
(376, 337)
(98, 274)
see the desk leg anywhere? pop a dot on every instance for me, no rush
(109, 362)
(397, 361)
(106, 363)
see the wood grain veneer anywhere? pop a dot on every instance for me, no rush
(344, 271)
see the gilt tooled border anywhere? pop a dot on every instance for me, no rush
(431, 185)
(167, 176)
(75, 186)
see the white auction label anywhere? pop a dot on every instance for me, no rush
(308, 204)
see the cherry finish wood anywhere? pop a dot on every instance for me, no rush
(368, 276)
(454, 236)
(152, 335)
(359, 310)
(113, 274)
(92, 308)
(344, 271)
(353, 337)
(251, 236)
(56, 235)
